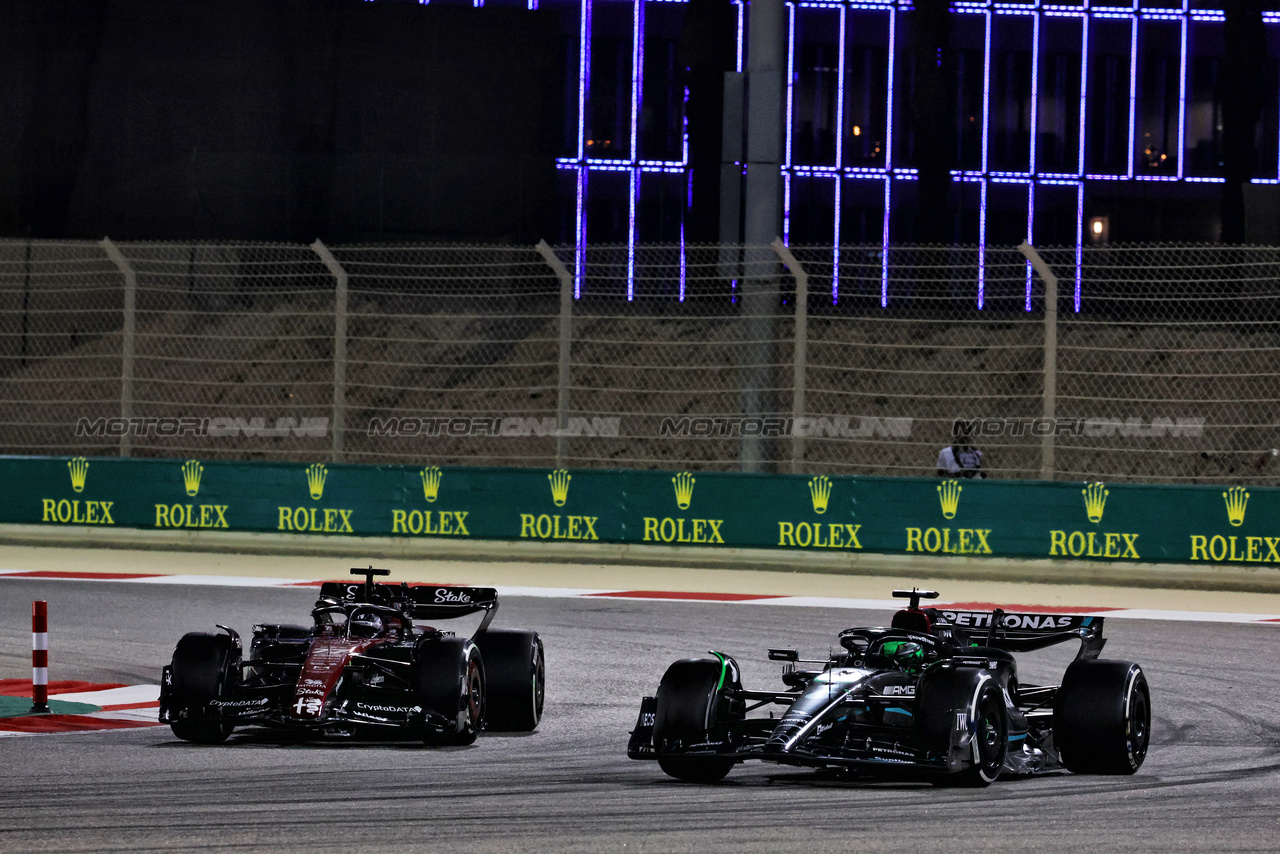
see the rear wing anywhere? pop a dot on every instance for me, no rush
(423, 602)
(1024, 632)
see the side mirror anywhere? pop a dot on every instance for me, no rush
(784, 655)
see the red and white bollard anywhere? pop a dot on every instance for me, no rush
(39, 657)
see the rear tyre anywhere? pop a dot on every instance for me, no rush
(1102, 717)
(688, 709)
(942, 695)
(201, 672)
(448, 679)
(515, 676)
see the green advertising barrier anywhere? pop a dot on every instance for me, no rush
(1096, 521)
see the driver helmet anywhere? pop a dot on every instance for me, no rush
(909, 655)
(364, 625)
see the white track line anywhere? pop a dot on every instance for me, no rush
(576, 593)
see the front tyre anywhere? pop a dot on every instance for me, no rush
(1102, 717)
(448, 679)
(201, 672)
(947, 696)
(688, 709)
(515, 679)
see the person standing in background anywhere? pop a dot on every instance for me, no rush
(960, 459)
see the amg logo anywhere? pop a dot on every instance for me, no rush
(900, 690)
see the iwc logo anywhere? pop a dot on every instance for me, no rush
(315, 520)
(430, 523)
(818, 535)
(1094, 543)
(191, 515)
(75, 511)
(556, 526)
(681, 529)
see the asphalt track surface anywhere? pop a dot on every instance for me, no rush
(1211, 781)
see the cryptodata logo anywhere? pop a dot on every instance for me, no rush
(191, 474)
(1095, 500)
(1237, 500)
(560, 486)
(949, 497)
(820, 493)
(431, 477)
(79, 468)
(683, 483)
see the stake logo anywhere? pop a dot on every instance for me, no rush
(683, 483)
(820, 493)
(1095, 500)
(431, 477)
(560, 486)
(191, 473)
(316, 476)
(79, 468)
(1237, 500)
(949, 497)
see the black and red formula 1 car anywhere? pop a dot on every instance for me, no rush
(936, 694)
(362, 666)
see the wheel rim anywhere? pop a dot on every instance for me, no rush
(1139, 726)
(990, 735)
(475, 693)
(539, 683)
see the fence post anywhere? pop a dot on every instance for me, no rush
(801, 355)
(339, 344)
(1048, 467)
(566, 341)
(127, 337)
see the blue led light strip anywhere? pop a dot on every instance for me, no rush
(839, 185)
(888, 163)
(986, 136)
(633, 179)
(584, 87)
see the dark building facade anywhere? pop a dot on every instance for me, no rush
(618, 121)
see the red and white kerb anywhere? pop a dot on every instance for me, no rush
(39, 656)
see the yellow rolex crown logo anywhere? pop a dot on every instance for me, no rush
(820, 492)
(316, 476)
(684, 482)
(79, 467)
(560, 486)
(1095, 500)
(1237, 499)
(431, 476)
(191, 472)
(949, 497)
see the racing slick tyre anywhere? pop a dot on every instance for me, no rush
(515, 676)
(944, 692)
(1102, 717)
(688, 709)
(448, 679)
(201, 672)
